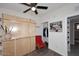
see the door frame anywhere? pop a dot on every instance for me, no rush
(74, 30)
(70, 18)
(68, 35)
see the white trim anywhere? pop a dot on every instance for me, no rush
(68, 34)
(73, 34)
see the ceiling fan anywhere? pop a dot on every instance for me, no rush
(34, 7)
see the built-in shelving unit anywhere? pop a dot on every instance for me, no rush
(20, 38)
(1, 37)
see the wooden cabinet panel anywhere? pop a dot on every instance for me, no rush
(32, 30)
(9, 48)
(19, 47)
(27, 45)
(32, 44)
(26, 33)
(22, 46)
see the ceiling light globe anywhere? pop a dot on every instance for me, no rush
(33, 8)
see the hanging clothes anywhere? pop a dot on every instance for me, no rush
(45, 32)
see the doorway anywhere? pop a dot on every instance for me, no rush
(74, 36)
(45, 33)
(76, 32)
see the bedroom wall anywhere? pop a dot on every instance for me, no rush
(58, 40)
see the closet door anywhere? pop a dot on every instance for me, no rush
(22, 43)
(26, 43)
(32, 36)
(32, 29)
(9, 48)
(32, 44)
(19, 47)
(26, 46)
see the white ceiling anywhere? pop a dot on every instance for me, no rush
(20, 8)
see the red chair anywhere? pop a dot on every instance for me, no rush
(39, 42)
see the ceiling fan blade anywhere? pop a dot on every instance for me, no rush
(36, 12)
(26, 4)
(33, 4)
(27, 10)
(42, 7)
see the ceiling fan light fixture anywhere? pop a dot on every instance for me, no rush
(33, 8)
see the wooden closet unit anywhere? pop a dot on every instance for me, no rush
(20, 37)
